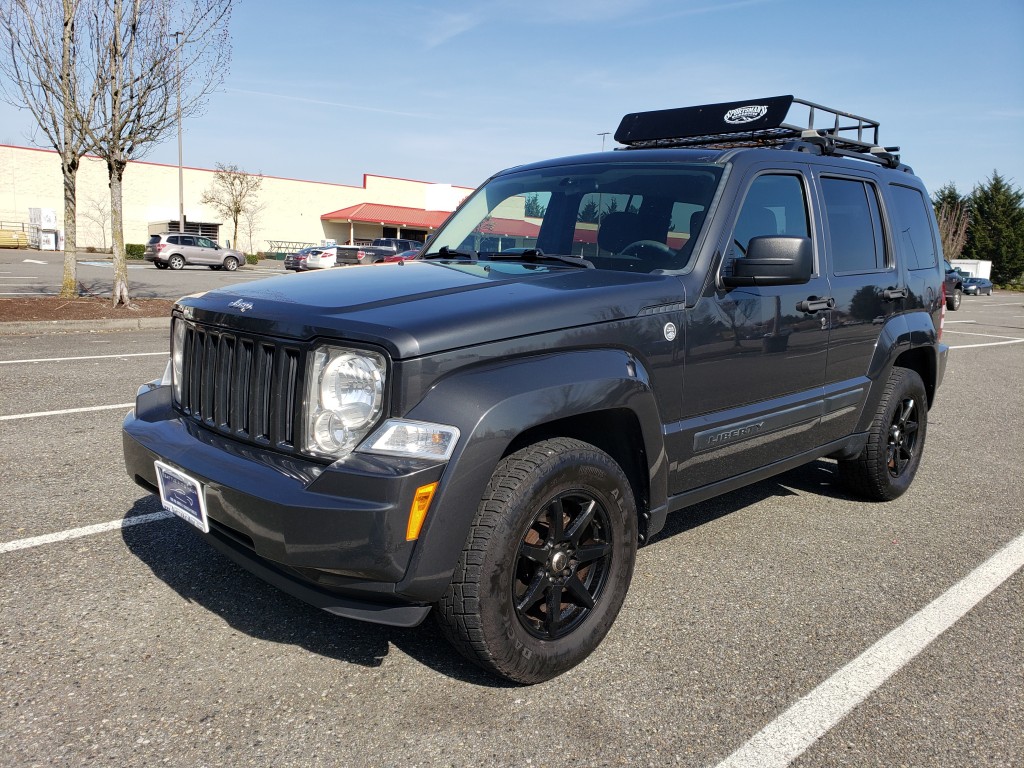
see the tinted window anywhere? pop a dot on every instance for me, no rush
(854, 224)
(188, 240)
(913, 226)
(154, 239)
(174, 239)
(774, 205)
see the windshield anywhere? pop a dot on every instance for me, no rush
(621, 216)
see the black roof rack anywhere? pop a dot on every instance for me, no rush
(758, 123)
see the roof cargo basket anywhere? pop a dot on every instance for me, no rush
(758, 123)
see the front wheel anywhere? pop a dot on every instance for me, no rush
(547, 563)
(887, 465)
(230, 263)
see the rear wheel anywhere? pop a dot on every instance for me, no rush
(953, 301)
(547, 563)
(888, 463)
(176, 261)
(160, 265)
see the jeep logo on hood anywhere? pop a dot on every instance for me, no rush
(742, 115)
(241, 305)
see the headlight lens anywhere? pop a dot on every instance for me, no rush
(415, 439)
(177, 356)
(345, 399)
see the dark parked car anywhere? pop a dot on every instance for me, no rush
(978, 286)
(489, 431)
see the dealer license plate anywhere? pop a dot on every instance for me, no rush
(182, 495)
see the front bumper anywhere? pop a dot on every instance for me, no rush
(333, 536)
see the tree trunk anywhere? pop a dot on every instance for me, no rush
(69, 169)
(115, 168)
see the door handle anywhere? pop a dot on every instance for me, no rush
(891, 294)
(813, 304)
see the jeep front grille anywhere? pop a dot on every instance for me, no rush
(247, 387)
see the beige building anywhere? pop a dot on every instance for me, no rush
(291, 211)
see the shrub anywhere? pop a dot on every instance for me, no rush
(134, 250)
(252, 258)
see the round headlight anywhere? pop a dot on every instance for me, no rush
(352, 387)
(346, 398)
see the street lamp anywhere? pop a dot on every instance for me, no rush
(602, 135)
(181, 175)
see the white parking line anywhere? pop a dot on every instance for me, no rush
(988, 335)
(84, 357)
(989, 344)
(789, 735)
(77, 533)
(37, 414)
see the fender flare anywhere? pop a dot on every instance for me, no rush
(492, 406)
(908, 335)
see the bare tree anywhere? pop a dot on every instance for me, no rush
(97, 212)
(154, 75)
(954, 220)
(251, 216)
(45, 74)
(232, 192)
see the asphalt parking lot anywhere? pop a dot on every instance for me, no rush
(785, 623)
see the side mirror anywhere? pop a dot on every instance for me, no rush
(773, 260)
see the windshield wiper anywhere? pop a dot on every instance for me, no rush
(534, 255)
(451, 253)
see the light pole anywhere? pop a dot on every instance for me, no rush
(181, 175)
(602, 135)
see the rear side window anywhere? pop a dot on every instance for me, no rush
(855, 225)
(174, 240)
(913, 226)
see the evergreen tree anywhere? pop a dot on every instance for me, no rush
(589, 213)
(997, 230)
(534, 208)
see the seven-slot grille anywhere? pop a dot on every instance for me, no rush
(247, 387)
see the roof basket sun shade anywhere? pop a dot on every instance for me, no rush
(758, 123)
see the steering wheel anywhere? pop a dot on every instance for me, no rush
(662, 250)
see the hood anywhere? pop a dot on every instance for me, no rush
(418, 308)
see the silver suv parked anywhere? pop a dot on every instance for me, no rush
(176, 249)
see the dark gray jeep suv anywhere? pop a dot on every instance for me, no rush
(588, 344)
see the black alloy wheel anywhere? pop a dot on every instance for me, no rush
(547, 562)
(902, 437)
(889, 460)
(562, 565)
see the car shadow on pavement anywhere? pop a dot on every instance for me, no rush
(818, 477)
(202, 575)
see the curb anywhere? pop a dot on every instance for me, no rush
(84, 326)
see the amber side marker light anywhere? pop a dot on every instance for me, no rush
(418, 511)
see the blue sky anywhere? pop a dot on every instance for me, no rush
(448, 91)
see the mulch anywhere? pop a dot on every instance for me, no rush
(53, 308)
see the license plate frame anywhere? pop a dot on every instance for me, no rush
(182, 495)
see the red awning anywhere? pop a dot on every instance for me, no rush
(392, 215)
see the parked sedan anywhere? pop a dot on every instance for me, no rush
(978, 286)
(315, 257)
